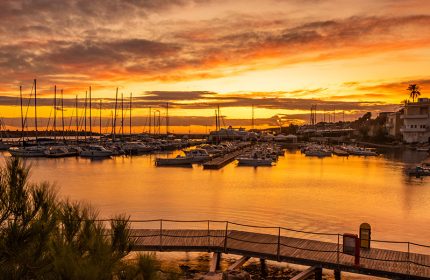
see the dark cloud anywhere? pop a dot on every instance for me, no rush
(211, 100)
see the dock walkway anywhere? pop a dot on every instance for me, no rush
(283, 248)
(222, 161)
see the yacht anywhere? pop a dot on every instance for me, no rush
(95, 151)
(191, 156)
(30, 151)
(197, 154)
(255, 159)
(59, 151)
(136, 148)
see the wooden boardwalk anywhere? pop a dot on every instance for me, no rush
(377, 262)
(222, 161)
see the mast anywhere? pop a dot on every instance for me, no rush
(77, 119)
(85, 116)
(91, 123)
(150, 120)
(216, 121)
(35, 110)
(62, 112)
(55, 113)
(100, 121)
(22, 114)
(252, 124)
(219, 119)
(334, 114)
(167, 118)
(114, 119)
(131, 99)
(122, 115)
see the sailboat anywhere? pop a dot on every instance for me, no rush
(57, 151)
(3, 145)
(31, 151)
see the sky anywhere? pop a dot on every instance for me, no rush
(280, 56)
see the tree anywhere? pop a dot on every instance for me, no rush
(42, 237)
(414, 90)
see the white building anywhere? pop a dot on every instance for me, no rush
(395, 123)
(416, 121)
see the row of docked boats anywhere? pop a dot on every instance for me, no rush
(201, 154)
(318, 150)
(96, 149)
(261, 155)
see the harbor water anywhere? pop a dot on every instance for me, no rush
(334, 194)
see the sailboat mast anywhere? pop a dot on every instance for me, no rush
(131, 99)
(55, 112)
(22, 114)
(100, 121)
(122, 115)
(114, 118)
(35, 110)
(77, 120)
(62, 112)
(91, 123)
(150, 117)
(167, 118)
(85, 116)
(252, 124)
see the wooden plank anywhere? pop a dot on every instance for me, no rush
(306, 273)
(238, 264)
(216, 257)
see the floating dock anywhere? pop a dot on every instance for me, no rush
(222, 161)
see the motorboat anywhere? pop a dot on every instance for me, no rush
(359, 151)
(318, 153)
(59, 151)
(136, 148)
(255, 158)
(29, 151)
(191, 156)
(95, 151)
(197, 154)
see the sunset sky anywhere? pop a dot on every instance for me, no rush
(281, 56)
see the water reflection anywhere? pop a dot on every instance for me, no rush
(331, 195)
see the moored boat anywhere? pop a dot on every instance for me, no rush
(60, 151)
(30, 151)
(95, 151)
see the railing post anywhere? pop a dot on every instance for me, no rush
(209, 237)
(225, 240)
(161, 234)
(278, 253)
(338, 250)
(409, 259)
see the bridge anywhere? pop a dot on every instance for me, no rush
(315, 249)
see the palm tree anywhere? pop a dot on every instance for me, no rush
(414, 90)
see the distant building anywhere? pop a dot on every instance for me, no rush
(416, 121)
(394, 124)
(231, 133)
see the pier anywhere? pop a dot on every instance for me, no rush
(222, 237)
(221, 161)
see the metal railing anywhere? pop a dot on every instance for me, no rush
(221, 230)
(209, 232)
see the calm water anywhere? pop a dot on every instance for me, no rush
(331, 195)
